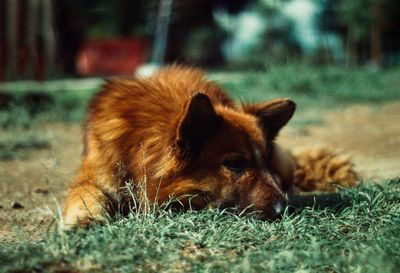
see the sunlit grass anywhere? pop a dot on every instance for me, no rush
(362, 236)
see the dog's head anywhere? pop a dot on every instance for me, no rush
(228, 155)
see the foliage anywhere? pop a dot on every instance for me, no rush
(362, 236)
(357, 16)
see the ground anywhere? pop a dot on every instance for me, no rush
(371, 135)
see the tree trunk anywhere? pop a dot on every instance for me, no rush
(351, 51)
(49, 40)
(31, 38)
(11, 39)
(376, 35)
(2, 40)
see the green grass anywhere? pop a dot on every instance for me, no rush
(333, 85)
(361, 234)
(17, 144)
(28, 103)
(311, 87)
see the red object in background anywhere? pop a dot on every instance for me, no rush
(111, 56)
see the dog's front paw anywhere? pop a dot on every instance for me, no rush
(82, 217)
(85, 205)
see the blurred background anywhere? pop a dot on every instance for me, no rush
(47, 39)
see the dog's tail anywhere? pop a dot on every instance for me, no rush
(321, 169)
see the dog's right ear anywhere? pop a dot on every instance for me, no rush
(197, 123)
(272, 115)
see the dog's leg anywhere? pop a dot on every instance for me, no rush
(85, 204)
(320, 169)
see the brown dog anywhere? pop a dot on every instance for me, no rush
(179, 135)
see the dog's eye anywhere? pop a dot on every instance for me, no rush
(237, 165)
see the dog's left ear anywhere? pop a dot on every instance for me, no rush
(272, 115)
(199, 120)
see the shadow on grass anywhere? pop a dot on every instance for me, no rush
(334, 202)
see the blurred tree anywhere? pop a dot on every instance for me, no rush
(194, 37)
(27, 39)
(366, 19)
(11, 26)
(48, 37)
(356, 16)
(279, 42)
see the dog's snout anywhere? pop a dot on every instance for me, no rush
(278, 207)
(273, 210)
(276, 210)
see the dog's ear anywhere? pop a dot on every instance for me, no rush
(272, 115)
(197, 123)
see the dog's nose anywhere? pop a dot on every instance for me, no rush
(273, 212)
(278, 208)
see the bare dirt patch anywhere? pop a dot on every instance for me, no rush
(39, 183)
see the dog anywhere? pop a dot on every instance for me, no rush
(177, 135)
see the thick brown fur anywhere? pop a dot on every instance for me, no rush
(177, 134)
(321, 169)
